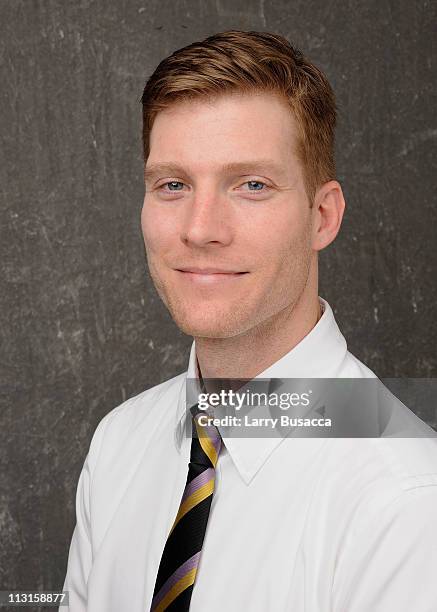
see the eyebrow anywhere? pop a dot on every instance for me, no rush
(250, 166)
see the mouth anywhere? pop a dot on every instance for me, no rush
(209, 275)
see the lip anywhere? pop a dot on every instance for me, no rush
(209, 276)
(208, 271)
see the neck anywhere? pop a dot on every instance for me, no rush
(246, 355)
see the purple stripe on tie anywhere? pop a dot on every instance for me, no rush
(198, 482)
(217, 441)
(177, 575)
(214, 435)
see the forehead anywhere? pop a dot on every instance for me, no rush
(225, 131)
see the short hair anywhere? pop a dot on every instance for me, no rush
(244, 62)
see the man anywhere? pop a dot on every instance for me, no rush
(240, 198)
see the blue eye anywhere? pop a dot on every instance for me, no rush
(256, 185)
(173, 185)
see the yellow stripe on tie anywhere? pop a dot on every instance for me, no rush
(207, 445)
(195, 498)
(177, 589)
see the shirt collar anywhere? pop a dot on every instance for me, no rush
(320, 354)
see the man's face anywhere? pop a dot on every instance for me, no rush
(226, 220)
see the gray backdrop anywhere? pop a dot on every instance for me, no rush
(81, 326)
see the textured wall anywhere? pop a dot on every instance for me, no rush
(81, 327)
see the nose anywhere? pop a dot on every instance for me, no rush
(207, 221)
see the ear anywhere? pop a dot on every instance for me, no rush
(328, 209)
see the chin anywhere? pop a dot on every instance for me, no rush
(212, 326)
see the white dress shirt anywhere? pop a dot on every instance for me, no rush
(296, 525)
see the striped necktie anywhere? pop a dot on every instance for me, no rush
(181, 555)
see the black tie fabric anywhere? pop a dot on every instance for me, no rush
(181, 555)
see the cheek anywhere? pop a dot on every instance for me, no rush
(158, 230)
(281, 236)
(145, 222)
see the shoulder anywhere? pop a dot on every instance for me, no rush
(371, 478)
(406, 452)
(410, 462)
(385, 466)
(151, 405)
